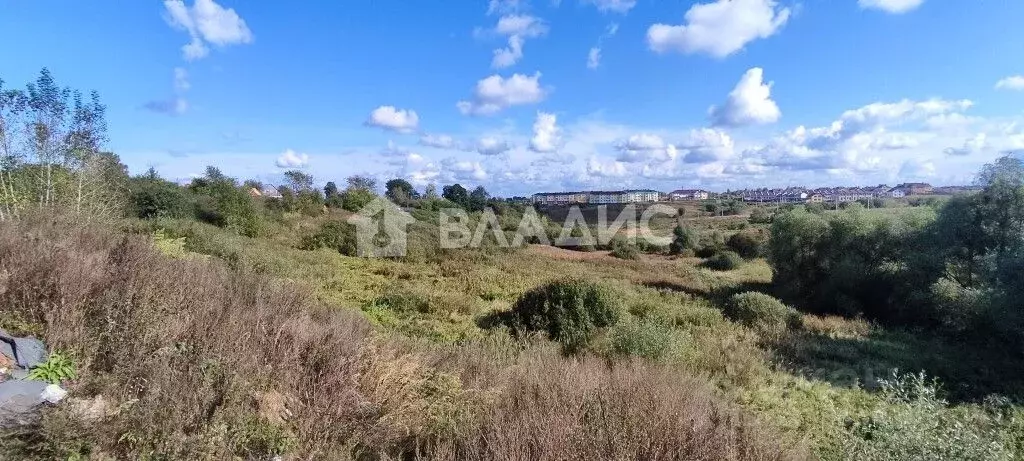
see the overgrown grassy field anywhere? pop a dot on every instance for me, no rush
(832, 384)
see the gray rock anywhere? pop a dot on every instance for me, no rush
(6, 344)
(7, 349)
(18, 374)
(20, 401)
(29, 351)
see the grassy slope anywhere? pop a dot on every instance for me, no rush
(198, 361)
(806, 384)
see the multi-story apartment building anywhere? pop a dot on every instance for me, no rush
(597, 197)
(560, 198)
(688, 194)
(640, 196)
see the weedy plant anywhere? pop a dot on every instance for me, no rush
(58, 367)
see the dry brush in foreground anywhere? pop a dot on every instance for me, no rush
(197, 361)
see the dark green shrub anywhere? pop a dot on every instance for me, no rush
(762, 313)
(724, 261)
(747, 244)
(336, 235)
(683, 238)
(156, 198)
(624, 250)
(760, 216)
(651, 248)
(568, 311)
(355, 199)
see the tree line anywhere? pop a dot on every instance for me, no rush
(955, 267)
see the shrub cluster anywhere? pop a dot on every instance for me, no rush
(762, 313)
(747, 244)
(569, 311)
(724, 261)
(333, 234)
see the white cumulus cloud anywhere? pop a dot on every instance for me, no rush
(206, 23)
(440, 141)
(394, 119)
(976, 144)
(489, 145)
(463, 170)
(1013, 82)
(890, 6)
(612, 6)
(546, 134)
(518, 28)
(707, 145)
(749, 103)
(291, 159)
(720, 28)
(496, 93)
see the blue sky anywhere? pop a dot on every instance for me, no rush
(527, 96)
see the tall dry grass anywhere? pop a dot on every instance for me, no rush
(199, 361)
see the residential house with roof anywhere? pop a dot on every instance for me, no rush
(688, 194)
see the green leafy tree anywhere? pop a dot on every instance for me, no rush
(221, 202)
(359, 182)
(330, 189)
(299, 181)
(430, 192)
(400, 191)
(456, 194)
(477, 200)
(154, 197)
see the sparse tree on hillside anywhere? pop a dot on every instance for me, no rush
(299, 181)
(430, 193)
(400, 191)
(50, 151)
(359, 182)
(253, 184)
(478, 199)
(330, 190)
(456, 194)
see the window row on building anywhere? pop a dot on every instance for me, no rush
(597, 197)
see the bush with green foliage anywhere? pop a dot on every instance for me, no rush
(724, 261)
(747, 244)
(816, 208)
(355, 199)
(647, 338)
(762, 313)
(333, 234)
(852, 262)
(569, 311)
(153, 197)
(760, 215)
(624, 250)
(913, 422)
(683, 238)
(219, 201)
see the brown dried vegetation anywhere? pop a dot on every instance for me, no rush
(201, 361)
